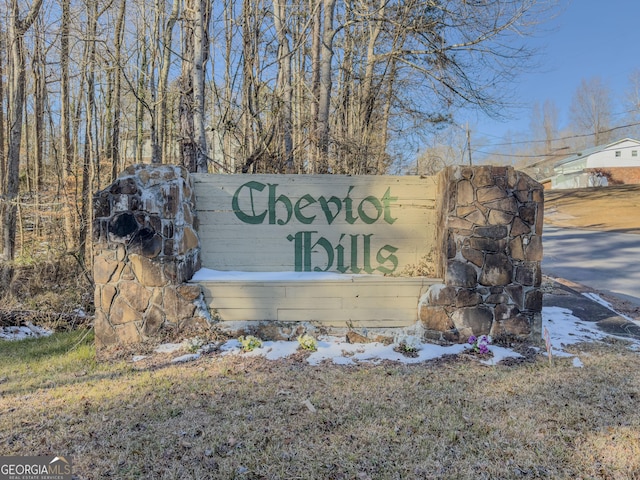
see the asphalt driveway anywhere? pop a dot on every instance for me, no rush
(605, 261)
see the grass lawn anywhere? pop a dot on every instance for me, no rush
(250, 418)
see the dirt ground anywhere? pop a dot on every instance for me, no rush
(614, 208)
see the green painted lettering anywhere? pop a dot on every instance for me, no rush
(367, 253)
(253, 219)
(382, 259)
(354, 254)
(306, 249)
(328, 248)
(300, 205)
(297, 250)
(376, 204)
(273, 201)
(324, 203)
(348, 206)
(386, 201)
(341, 267)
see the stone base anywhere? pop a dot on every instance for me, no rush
(454, 314)
(146, 249)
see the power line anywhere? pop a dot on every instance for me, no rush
(544, 155)
(569, 137)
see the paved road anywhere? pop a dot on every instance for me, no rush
(605, 261)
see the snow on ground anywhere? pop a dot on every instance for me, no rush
(598, 299)
(206, 274)
(26, 331)
(563, 327)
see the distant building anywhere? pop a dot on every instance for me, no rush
(616, 163)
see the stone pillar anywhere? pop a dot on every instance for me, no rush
(145, 250)
(491, 238)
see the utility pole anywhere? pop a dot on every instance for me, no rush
(469, 144)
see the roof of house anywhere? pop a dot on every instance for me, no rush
(591, 151)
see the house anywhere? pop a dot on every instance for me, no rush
(612, 164)
(542, 170)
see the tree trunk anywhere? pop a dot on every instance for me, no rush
(84, 250)
(284, 88)
(3, 157)
(200, 56)
(113, 152)
(324, 99)
(314, 127)
(188, 146)
(39, 87)
(140, 98)
(68, 212)
(16, 79)
(163, 117)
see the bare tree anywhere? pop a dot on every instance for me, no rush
(3, 165)
(591, 109)
(544, 125)
(195, 54)
(324, 78)
(162, 118)
(284, 92)
(632, 98)
(18, 26)
(115, 94)
(89, 157)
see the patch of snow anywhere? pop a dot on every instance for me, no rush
(566, 329)
(189, 357)
(340, 352)
(207, 274)
(168, 348)
(23, 332)
(563, 327)
(230, 346)
(499, 354)
(598, 299)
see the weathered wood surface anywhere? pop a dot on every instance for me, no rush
(360, 301)
(391, 211)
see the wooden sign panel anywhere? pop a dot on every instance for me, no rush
(337, 223)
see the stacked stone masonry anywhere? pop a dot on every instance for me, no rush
(490, 251)
(145, 250)
(492, 239)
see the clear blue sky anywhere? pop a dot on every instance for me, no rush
(589, 38)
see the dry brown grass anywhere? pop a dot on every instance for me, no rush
(45, 292)
(241, 417)
(248, 418)
(613, 208)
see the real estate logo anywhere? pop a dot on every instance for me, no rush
(35, 468)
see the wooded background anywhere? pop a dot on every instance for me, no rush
(270, 86)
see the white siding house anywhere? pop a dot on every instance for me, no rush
(598, 166)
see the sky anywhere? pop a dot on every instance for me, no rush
(588, 38)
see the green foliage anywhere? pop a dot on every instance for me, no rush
(307, 342)
(192, 345)
(249, 343)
